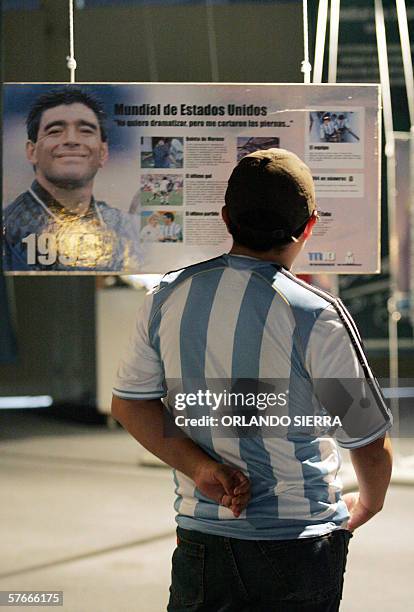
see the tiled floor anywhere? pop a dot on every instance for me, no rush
(82, 514)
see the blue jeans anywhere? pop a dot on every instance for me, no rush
(217, 574)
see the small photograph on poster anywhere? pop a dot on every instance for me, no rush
(334, 126)
(161, 190)
(57, 149)
(150, 227)
(161, 226)
(249, 144)
(162, 152)
(335, 139)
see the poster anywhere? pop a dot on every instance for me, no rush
(140, 186)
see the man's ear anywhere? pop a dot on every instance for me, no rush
(103, 154)
(31, 152)
(225, 215)
(307, 232)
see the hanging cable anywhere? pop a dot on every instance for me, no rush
(71, 62)
(406, 55)
(320, 41)
(306, 67)
(149, 43)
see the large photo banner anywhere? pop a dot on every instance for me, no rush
(130, 178)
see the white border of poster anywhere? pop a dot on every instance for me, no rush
(154, 202)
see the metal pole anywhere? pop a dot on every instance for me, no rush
(333, 40)
(406, 55)
(332, 70)
(393, 313)
(384, 76)
(412, 225)
(320, 41)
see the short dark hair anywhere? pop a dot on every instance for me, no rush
(260, 240)
(63, 95)
(169, 215)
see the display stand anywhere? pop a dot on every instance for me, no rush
(404, 466)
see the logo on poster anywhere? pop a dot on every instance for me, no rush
(322, 256)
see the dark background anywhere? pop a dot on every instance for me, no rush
(47, 324)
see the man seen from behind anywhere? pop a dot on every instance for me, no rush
(262, 523)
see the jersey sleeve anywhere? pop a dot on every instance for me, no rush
(343, 381)
(140, 372)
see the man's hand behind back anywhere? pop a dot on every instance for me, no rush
(224, 484)
(358, 513)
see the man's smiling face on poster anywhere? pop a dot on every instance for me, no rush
(69, 149)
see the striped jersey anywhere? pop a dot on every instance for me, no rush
(237, 318)
(172, 231)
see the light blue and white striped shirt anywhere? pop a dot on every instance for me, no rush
(172, 231)
(234, 318)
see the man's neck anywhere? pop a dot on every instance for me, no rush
(285, 258)
(75, 200)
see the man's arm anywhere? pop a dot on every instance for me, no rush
(334, 357)
(373, 466)
(145, 421)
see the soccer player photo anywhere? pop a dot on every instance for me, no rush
(161, 189)
(52, 221)
(162, 152)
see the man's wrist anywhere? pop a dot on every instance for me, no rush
(198, 467)
(369, 507)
